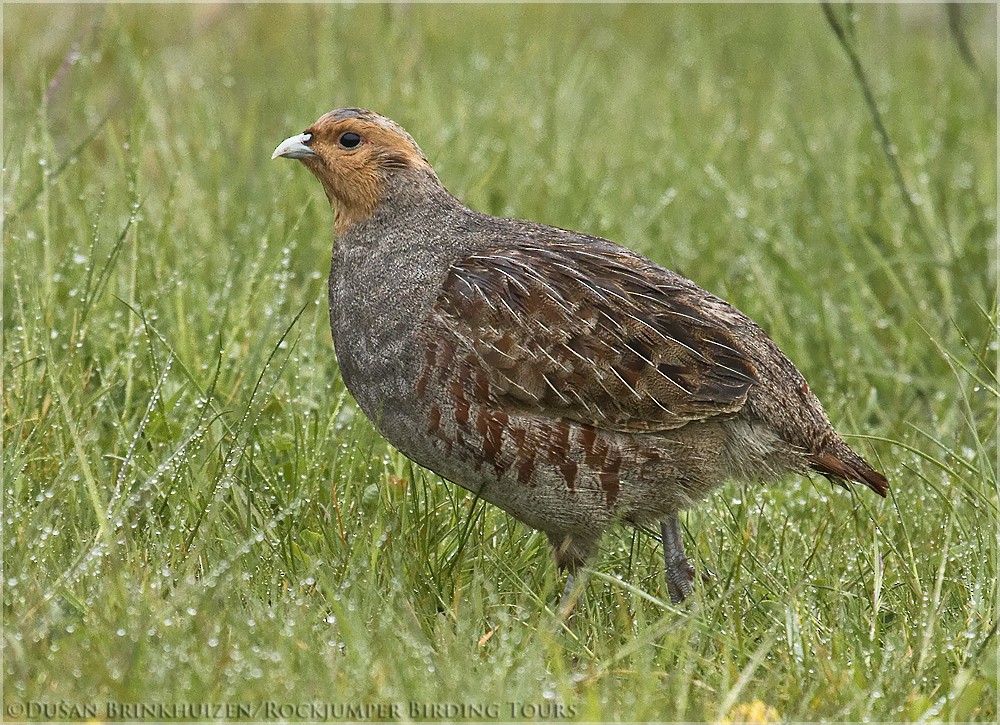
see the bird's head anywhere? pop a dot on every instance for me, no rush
(356, 154)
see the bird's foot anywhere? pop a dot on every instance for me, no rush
(678, 570)
(571, 594)
(680, 576)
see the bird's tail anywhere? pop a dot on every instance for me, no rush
(839, 463)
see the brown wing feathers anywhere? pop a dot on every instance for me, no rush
(599, 339)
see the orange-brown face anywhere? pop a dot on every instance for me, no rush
(353, 152)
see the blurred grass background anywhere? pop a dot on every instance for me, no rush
(193, 508)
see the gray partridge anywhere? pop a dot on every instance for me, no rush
(560, 376)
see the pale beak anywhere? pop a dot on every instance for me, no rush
(294, 147)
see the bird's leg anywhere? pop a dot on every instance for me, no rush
(679, 572)
(570, 554)
(576, 582)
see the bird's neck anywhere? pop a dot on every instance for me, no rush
(391, 196)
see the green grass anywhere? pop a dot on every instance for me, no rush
(194, 510)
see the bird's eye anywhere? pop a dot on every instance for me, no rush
(349, 140)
